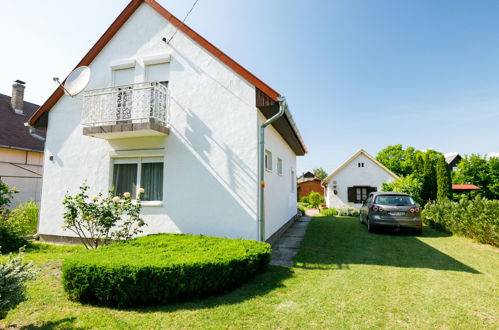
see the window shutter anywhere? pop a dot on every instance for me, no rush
(351, 194)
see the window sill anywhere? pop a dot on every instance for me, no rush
(152, 203)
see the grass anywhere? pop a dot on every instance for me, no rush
(344, 278)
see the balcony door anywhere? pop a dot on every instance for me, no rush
(124, 97)
(157, 73)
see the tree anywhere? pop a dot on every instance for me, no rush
(320, 173)
(479, 171)
(444, 181)
(429, 188)
(398, 160)
(410, 184)
(419, 164)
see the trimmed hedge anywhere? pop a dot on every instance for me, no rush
(10, 239)
(162, 268)
(474, 218)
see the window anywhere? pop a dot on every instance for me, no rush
(123, 77)
(268, 160)
(129, 174)
(360, 164)
(293, 184)
(359, 194)
(279, 166)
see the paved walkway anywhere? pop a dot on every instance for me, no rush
(287, 246)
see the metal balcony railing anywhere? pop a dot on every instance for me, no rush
(146, 102)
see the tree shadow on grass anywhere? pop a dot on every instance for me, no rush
(336, 243)
(65, 323)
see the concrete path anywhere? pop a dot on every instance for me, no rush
(287, 246)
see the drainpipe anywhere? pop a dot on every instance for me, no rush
(32, 132)
(261, 167)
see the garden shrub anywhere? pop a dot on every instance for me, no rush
(162, 268)
(301, 208)
(348, 211)
(10, 239)
(304, 200)
(329, 212)
(24, 218)
(315, 199)
(476, 218)
(13, 277)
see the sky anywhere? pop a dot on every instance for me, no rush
(356, 74)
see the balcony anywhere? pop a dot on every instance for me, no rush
(126, 111)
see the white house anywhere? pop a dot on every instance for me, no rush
(350, 183)
(180, 119)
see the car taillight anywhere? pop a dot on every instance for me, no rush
(377, 208)
(414, 209)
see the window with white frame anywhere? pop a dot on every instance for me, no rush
(279, 166)
(293, 184)
(130, 174)
(268, 160)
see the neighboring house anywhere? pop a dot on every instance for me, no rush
(21, 155)
(350, 183)
(464, 188)
(452, 159)
(179, 119)
(308, 183)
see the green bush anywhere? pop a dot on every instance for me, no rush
(24, 218)
(304, 200)
(475, 218)
(329, 212)
(348, 211)
(315, 199)
(301, 208)
(163, 268)
(10, 239)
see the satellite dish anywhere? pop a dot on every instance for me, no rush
(76, 81)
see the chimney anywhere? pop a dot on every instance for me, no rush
(17, 99)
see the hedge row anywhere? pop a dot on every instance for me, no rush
(163, 268)
(475, 218)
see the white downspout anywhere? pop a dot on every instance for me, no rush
(261, 167)
(33, 134)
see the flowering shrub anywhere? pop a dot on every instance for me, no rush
(24, 218)
(348, 211)
(332, 212)
(13, 277)
(101, 218)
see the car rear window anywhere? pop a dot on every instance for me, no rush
(395, 200)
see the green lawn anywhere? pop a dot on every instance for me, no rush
(344, 278)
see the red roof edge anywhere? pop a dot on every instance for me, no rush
(118, 23)
(465, 187)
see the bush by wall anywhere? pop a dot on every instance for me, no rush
(24, 218)
(348, 211)
(10, 239)
(329, 212)
(475, 218)
(163, 268)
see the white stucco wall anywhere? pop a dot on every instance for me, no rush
(280, 198)
(371, 175)
(210, 178)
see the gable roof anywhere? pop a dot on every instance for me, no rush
(360, 152)
(13, 134)
(118, 23)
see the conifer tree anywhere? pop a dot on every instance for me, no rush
(429, 191)
(444, 181)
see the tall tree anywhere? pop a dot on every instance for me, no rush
(429, 191)
(444, 181)
(419, 164)
(320, 173)
(397, 159)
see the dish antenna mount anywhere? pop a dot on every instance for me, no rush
(76, 81)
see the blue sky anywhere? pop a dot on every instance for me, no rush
(357, 74)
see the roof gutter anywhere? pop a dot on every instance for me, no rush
(32, 132)
(261, 167)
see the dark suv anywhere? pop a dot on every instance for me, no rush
(390, 210)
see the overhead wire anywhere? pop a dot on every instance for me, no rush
(173, 35)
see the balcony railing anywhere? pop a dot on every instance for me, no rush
(125, 108)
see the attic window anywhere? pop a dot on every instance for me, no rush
(360, 164)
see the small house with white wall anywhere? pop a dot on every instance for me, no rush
(167, 111)
(350, 183)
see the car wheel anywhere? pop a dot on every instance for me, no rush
(369, 226)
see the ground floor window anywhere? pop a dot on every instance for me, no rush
(358, 194)
(130, 174)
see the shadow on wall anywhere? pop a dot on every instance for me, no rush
(208, 190)
(340, 242)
